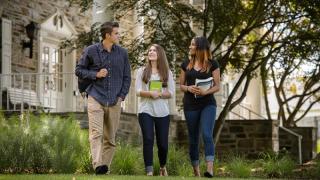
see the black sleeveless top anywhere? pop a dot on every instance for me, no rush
(190, 103)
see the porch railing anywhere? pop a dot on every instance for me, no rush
(49, 92)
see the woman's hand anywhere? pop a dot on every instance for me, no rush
(199, 92)
(165, 94)
(193, 89)
(155, 94)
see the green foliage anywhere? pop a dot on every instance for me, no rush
(64, 144)
(46, 144)
(281, 35)
(127, 160)
(317, 168)
(278, 166)
(40, 144)
(21, 148)
(239, 167)
(178, 162)
(85, 158)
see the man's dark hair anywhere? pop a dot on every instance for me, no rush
(107, 28)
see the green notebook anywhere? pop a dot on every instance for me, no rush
(155, 86)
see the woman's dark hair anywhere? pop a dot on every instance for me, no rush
(203, 54)
(202, 43)
(107, 27)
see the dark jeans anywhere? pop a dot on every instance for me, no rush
(161, 125)
(201, 121)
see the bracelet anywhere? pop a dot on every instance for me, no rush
(187, 88)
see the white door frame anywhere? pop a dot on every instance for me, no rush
(53, 30)
(50, 85)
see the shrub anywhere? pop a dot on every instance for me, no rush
(239, 167)
(276, 166)
(39, 144)
(127, 160)
(21, 151)
(178, 162)
(63, 141)
(317, 169)
(85, 157)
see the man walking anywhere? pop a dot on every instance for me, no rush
(106, 65)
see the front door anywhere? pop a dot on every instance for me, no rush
(56, 80)
(51, 77)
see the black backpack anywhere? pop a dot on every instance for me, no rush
(84, 83)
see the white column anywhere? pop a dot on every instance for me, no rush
(254, 96)
(101, 11)
(6, 30)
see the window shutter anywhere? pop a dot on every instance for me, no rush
(6, 34)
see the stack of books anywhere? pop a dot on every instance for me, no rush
(204, 84)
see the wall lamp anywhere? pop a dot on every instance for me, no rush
(31, 33)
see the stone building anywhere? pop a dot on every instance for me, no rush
(33, 67)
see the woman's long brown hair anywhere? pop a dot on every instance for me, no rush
(203, 54)
(162, 66)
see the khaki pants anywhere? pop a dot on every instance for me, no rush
(103, 125)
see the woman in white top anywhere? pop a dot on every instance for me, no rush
(155, 85)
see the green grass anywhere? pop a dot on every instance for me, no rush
(238, 167)
(279, 167)
(91, 177)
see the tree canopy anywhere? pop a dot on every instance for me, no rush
(271, 39)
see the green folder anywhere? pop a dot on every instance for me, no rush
(155, 86)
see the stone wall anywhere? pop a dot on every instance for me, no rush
(129, 129)
(249, 137)
(23, 12)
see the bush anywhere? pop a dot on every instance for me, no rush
(178, 162)
(239, 167)
(317, 169)
(40, 144)
(85, 158)
(21, 150)
(64, 143)
(127, 160)
(278, 166)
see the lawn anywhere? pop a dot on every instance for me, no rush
(86, 177)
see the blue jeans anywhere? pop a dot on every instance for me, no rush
(201, 121)
(161, 125)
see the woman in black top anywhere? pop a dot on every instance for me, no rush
(199, 104)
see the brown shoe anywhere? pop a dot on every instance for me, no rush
(163, 171)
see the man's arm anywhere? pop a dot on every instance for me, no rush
(82, 70)
(126, 77)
